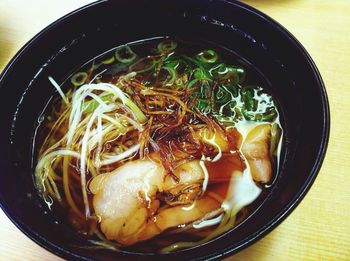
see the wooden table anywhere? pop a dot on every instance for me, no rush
(319, 229)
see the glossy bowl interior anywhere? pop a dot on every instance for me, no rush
(65, 45)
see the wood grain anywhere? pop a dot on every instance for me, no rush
(319, 228)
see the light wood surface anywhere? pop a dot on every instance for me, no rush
(320, 226)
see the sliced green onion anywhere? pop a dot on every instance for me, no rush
(227, 111)
(207, 56)
(190, 59)
(231, 116)
(109, 60)
(203, 105)
(167, 46)
(234, 75)
(172, 64)
(222, 96)
(136, 110)
(172, 73)
(248, 116)
(248, 98)
(193, 83)
(224, 119)
(223, 72)
(257, 105)
(91, 105)
(143, 65)
(201, 74)
(232, 88)
(79, 78)
(125, 54)
(218, 69)
(205, 91)
(269, 115)
(232, 105)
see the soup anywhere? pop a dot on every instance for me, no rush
(158, 145)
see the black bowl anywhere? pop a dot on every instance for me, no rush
(98, 27)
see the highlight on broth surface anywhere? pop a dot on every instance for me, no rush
(158, 146)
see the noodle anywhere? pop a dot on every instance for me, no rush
(158, 146)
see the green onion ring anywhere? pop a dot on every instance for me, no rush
(207, 56)
(128, 52)
(167, 46)
(79, 78)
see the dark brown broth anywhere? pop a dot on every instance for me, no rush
(223, 166)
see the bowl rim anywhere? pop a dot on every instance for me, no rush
(273, 223)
